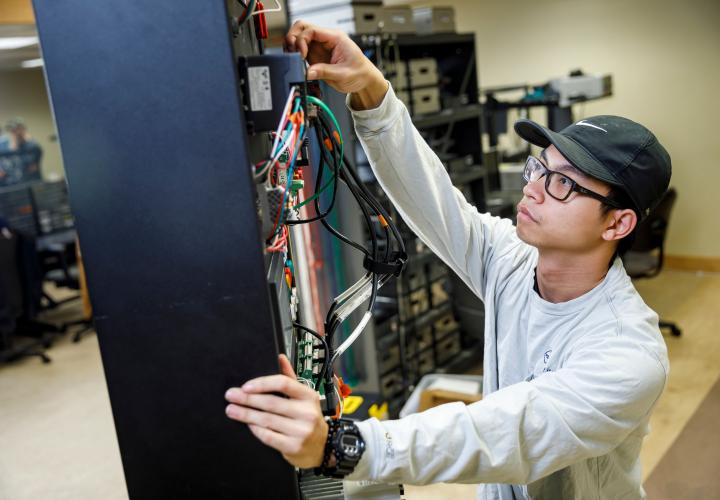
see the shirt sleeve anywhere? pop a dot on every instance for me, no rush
(523, 432)
(420, 188)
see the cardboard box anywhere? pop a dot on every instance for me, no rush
(434, 20)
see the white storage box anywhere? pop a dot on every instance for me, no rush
(398, 20)
(426, 100)
(511, 176)
(397, 75)
(434, 20)
(352, 19)
(297, 7)
(413, 403)
(423, 72)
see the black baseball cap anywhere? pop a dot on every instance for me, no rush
(613, 149)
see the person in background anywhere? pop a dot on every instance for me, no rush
(20, 155)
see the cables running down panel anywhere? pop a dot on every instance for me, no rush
(296, 198)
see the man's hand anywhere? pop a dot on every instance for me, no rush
(295, 426)
(335, 58)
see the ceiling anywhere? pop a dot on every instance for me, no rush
(14, 12)
(11, 59)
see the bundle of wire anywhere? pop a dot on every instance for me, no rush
(250, 8)
(380, 268)
(332, 157)
(288, 140)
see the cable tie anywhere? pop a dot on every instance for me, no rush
(394, 266)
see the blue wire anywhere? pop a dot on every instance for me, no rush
(289, 177)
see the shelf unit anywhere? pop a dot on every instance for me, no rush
(427, 320)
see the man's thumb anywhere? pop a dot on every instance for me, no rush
(286, 367)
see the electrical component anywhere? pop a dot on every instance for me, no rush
(282, 179)
(266, 80)
(580, 87)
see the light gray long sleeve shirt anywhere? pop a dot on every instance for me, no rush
(568, 387)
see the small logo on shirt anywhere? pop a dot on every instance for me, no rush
(389, 449)
(586, 124)
(546, 356)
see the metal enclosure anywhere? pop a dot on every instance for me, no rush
(147, 106)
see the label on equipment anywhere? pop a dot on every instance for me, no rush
(260, 91)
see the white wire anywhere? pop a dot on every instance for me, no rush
(286, 145)
(286, 109)
(354, 288)
(347, 307)
(307, 382)
(274, 9)
(354, 335)
(340, 401)
(286, 138)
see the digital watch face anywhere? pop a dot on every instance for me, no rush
(350, 445)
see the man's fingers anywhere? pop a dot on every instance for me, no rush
(297, 28)
(278, 423)
(322, 71)
(302, 35)
(279, 383)
(286, 367)
(284, 444)
(322, 35)
(269, 403)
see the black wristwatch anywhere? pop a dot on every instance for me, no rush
(346, 443)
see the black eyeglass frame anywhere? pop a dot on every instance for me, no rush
(574, 186)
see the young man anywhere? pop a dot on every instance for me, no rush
(21, 159)
(574, 360)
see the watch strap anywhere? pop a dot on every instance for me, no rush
(343, 466)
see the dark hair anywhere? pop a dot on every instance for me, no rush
(619, 195)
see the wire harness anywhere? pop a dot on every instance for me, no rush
(279, 171)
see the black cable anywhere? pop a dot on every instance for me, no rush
(378, 206)
(359, 191)
(353, 189)
(326, 350)
(360, 198)
(366, 202)
(369, 200)
(318, 185)
(324, 222)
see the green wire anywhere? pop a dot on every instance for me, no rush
(248, 11)
(314, 100)
(304, 202)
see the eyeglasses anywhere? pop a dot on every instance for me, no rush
(558, 185)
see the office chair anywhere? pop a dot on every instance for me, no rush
(61, 269)
(645, 257)
(12, 306)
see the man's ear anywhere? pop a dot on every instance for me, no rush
(619, 223)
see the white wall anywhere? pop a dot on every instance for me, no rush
(664, 56)
(665, 59)
(23, 94)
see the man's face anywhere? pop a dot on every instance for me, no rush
(18, 131)
(574, 224)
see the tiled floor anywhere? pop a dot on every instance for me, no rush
(57, 438)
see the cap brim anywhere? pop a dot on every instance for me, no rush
(536, 134)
